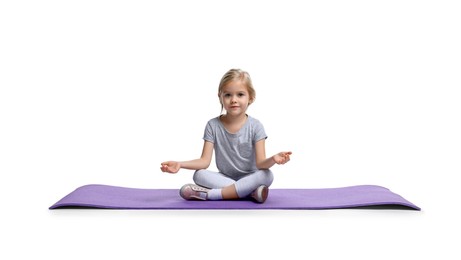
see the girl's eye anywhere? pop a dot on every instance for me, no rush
(241, 94)
(226, 95)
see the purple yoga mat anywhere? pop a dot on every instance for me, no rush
(112, 197)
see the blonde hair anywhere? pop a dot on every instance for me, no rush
(234, 75)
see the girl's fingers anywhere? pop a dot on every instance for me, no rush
(287, 156)
(165, 168)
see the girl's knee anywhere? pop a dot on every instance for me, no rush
(267, 177)
(198, 176)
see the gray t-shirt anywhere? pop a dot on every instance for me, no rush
(235, 153)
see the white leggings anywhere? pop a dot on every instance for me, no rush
(243, 186)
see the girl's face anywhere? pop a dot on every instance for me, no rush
(235, 98)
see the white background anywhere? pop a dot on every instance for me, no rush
(362, 92)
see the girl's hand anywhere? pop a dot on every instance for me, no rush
(170, 167)
(282, 157)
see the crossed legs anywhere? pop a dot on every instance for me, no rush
(230, 188)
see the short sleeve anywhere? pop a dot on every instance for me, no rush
(259, 132)
(208, 134)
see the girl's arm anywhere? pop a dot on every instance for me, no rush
(202, 163)
(265, 163)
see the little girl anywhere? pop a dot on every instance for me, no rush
(239, 144)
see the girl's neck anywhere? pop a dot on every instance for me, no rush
(228, 119)
(233, 124)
